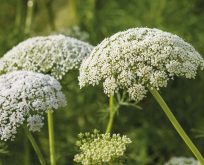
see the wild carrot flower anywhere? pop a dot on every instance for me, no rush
(182, 161)
(96, 148)
(55, 55)
(24, 98)
(138, 58)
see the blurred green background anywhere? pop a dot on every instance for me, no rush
(154, 139)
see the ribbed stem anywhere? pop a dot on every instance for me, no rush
(51, 137)
(176, 125)
(35, 147)
(111, 115)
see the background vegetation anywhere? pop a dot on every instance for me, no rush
(154, 139)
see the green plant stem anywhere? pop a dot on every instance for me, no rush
(27, 152)
(51, 137)
(176, 125)
(29, 16)
(47, 5)
(50, 14)
(111, 115)
(18, 13)
(35, 146)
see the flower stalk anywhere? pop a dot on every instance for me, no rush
(35, 146)
(29, 16)
(111, 114)
(51, 137)
(26, 151)
(176, 125)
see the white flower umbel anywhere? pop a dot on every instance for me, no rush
(182, 161)
(98, 148)
(55, 55)
(24, 98)
(139, 58)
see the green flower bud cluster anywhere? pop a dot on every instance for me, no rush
(96, 148)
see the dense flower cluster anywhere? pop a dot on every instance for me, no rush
(137, 59)
(24, 97)
(56, 55)
(96, 148)
(182, 161)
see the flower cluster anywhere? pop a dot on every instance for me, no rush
(137, 59)
(182, 161)
(56, 55)
(24, 97)
(96, 148)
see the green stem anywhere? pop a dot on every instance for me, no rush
(50, 13)
(176, 125)
(27, 152)
(35, 146)
(18, 13)
(111, 115)
(29, 16)
(51, 137)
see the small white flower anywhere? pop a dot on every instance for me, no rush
(35, 122)
(182, 161)
(137, 92)
(139, 58)
(110, 86)
(24, 97)
(55, 55)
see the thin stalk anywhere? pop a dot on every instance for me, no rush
(27, 152)
(47, 5)
(73, 11)
(35, 147)
(111, 115)
(51, 137)
(29, 16)
(50, 13)
(176, 125)
(18, 13)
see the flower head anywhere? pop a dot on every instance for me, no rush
(24, 97)
(56, 55)
(98, 148)
(139, 58)
(182, 161)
